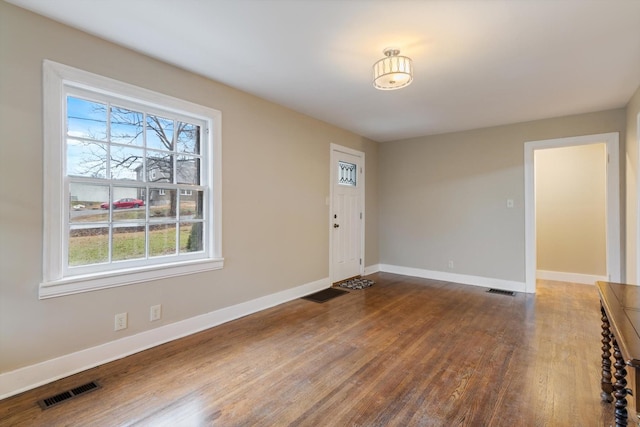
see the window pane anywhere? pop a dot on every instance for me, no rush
(159, 167)
(347, 174)
(126, 126)
(127, 163)
(191, 236)
(87, 159)
(191, 205)
(88, 245)
(159, 133)
(128, 204)
(162, 239)
(85, 203)
(86, 119)
(188, 170)
(162, 204)
(128, 242)
(188, 138)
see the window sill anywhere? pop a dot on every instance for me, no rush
(87, 283)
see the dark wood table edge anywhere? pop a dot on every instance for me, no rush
(610, 330)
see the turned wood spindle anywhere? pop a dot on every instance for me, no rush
(605, 382)
(620, 386)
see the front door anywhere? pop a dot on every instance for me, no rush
(347, 213)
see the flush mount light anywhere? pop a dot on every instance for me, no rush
(393, 71)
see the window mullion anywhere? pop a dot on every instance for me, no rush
(110, 257)
(177, 225)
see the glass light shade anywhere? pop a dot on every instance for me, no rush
(392, 72)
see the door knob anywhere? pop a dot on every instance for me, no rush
(336, 225)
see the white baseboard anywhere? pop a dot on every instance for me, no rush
(485, 282)
(29, 377)
(371, 269)
(587, 279)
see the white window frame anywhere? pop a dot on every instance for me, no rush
(57, 79)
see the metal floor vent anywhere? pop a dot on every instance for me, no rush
(69, 394)
(501, 292)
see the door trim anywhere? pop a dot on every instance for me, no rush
(636, 244)
(611, 141)
(335, 148)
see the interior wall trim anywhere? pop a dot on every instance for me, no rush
(370, 269)
(635, 278)
(29, 377)
(485, 282)
(560, 276)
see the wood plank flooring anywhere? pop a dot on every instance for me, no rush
(405, 352)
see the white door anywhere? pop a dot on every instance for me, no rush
(346, 213)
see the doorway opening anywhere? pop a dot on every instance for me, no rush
(610, 142)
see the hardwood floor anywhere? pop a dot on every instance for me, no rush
(405, 352)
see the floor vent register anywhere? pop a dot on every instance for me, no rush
(69, 394)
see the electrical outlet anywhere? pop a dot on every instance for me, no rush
(120, 322)
(450, 265)
(155, 312)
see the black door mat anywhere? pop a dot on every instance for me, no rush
(325, 295)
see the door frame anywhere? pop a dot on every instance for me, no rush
(636, 244)
(613, 248)
(334, 149)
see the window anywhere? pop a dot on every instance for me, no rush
(346, 174)
(132, 184)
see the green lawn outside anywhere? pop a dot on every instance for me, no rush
(93, 249)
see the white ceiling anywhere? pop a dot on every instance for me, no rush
(477, 63)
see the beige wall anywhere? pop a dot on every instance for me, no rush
(443, 197)
(570, 184)
(633, 110)
(275, 220)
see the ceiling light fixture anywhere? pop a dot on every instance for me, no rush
(393, 71)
